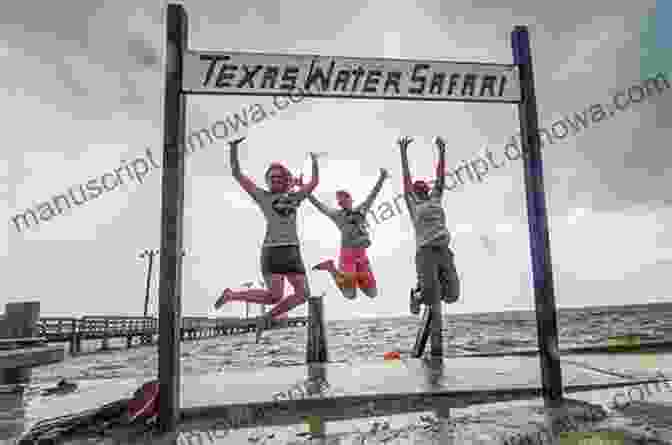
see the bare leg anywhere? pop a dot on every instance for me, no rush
(298, 282)
(257, 296)
(366, 281)
(370, 292)
(345, 282)
(290, 302)
(276, 283)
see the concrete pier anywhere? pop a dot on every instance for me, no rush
(18, 330)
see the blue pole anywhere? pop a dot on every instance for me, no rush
(540, 249)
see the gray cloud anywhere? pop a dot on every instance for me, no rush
(85, 47)
(144, 53)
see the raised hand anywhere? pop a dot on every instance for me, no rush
(404, 142)
(236, 142)
(384, 173)
(440, 143)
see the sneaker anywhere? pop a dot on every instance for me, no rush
(415, 302)
(224, 298)
(325, 265)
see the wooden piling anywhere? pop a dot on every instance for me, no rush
(172, 211)
(19, 321)
(76, 343)
(316, 348)
(317, 373)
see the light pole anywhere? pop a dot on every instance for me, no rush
(149, 253)
(248, 285)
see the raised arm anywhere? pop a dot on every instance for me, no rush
(405, 171)
(245, 182)
(326, 210)
(368, 202)
(440, 169)
(314, 180)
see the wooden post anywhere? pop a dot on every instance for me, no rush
(20, 321)
(76, 337)
(540, 249)
(172, 208)
(317, 373)
(316, 348)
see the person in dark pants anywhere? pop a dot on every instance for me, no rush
(280, 252)
(434, 260)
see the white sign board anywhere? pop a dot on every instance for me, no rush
(259, 74)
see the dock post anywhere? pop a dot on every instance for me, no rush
(76, 343)
(317, 375)
(316, 348)
(19, 321)
(540, 248)
(172, 219)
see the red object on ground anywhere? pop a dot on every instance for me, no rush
(145, 401)
(392, 355)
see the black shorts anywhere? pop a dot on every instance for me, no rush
(281, 260)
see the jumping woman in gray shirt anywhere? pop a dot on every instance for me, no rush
(280, 253)
(434, 260)
(354, 269)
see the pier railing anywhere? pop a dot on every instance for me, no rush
(104, 327)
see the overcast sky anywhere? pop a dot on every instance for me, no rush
(81, 88)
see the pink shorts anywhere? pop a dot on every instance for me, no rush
(354, 263)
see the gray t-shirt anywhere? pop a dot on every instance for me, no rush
(352, 225)
(280, 212)
(429, 221)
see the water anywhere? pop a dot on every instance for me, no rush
(353, 341)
